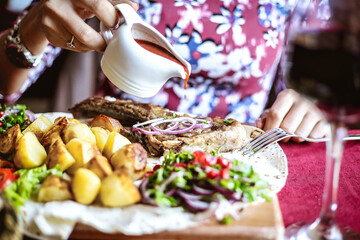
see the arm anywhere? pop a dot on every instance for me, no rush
(56, 21)
(12, 77)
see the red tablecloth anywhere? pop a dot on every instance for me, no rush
(300, 199)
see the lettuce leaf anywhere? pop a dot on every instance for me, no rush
(20, 191)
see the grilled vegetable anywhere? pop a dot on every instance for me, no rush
(82, 151)
(59, 155)
(54, 188)
(9, 138)
(114, 142)
(41, 125)
(29, 153)
(101, 136)
(85, 186)
(131, 157)
(78, 130)
(118, 190)
(106, 122)
(100, 166)
(53, 134)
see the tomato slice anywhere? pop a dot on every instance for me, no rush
(6, 177)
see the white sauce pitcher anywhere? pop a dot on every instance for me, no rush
(131, 67)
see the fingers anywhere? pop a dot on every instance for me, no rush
(133, 4)
(294, 117)
(260, 123)
(58, 35)
(319, 130)
(296, 114)
(85, 34)
(310, 122)
(279, 109)
(62, 21)
(103, 9)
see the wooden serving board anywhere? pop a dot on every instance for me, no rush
(261, 221)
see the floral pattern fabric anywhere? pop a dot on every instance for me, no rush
(233, 47)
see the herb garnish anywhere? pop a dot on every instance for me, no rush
(195, 180)
(10, 116)
(170, 117)
(228, 121)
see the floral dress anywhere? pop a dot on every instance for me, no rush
(233, 47)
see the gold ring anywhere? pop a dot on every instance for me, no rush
(71, 43)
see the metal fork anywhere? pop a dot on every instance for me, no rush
(276, 135)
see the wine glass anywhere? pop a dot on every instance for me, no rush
(322, 62)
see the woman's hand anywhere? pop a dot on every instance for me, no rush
(60, 20)
(292, 112)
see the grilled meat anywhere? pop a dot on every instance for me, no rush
(222, 136)
(126, 111)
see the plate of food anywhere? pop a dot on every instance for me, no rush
(131, 168)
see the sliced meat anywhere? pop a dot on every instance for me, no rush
(126, 111)
(223, 136)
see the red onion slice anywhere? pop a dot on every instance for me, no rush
(145, 194)
(201, 125)
(172, 129)
(147, 122)
(30, 115)
(145, 131)
(196, 206)
(204, 125)
(173, 125)
(190, 196)
(202, 191)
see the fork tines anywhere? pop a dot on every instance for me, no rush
(263, 140)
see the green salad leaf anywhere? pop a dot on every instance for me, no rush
(194, 180)
(20, 191)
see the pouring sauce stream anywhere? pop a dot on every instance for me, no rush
(154, 48)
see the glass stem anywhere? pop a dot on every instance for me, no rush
(334, 151)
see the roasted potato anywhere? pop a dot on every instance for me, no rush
(29, 153)
(101, 136)
(85, 186)
(118, 190)
(40, 126)
(9, 138)
(106, 122)
(131, 157)
(100, 166)
(54, 188)
(58, 154)
(114, 142)
(78, 130)
(53, 134)
(74, 120)
(83, 151)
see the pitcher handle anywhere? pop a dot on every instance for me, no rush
(129, 15)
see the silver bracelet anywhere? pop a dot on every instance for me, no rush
(16, 51)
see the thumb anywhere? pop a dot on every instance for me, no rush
(260, 123)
